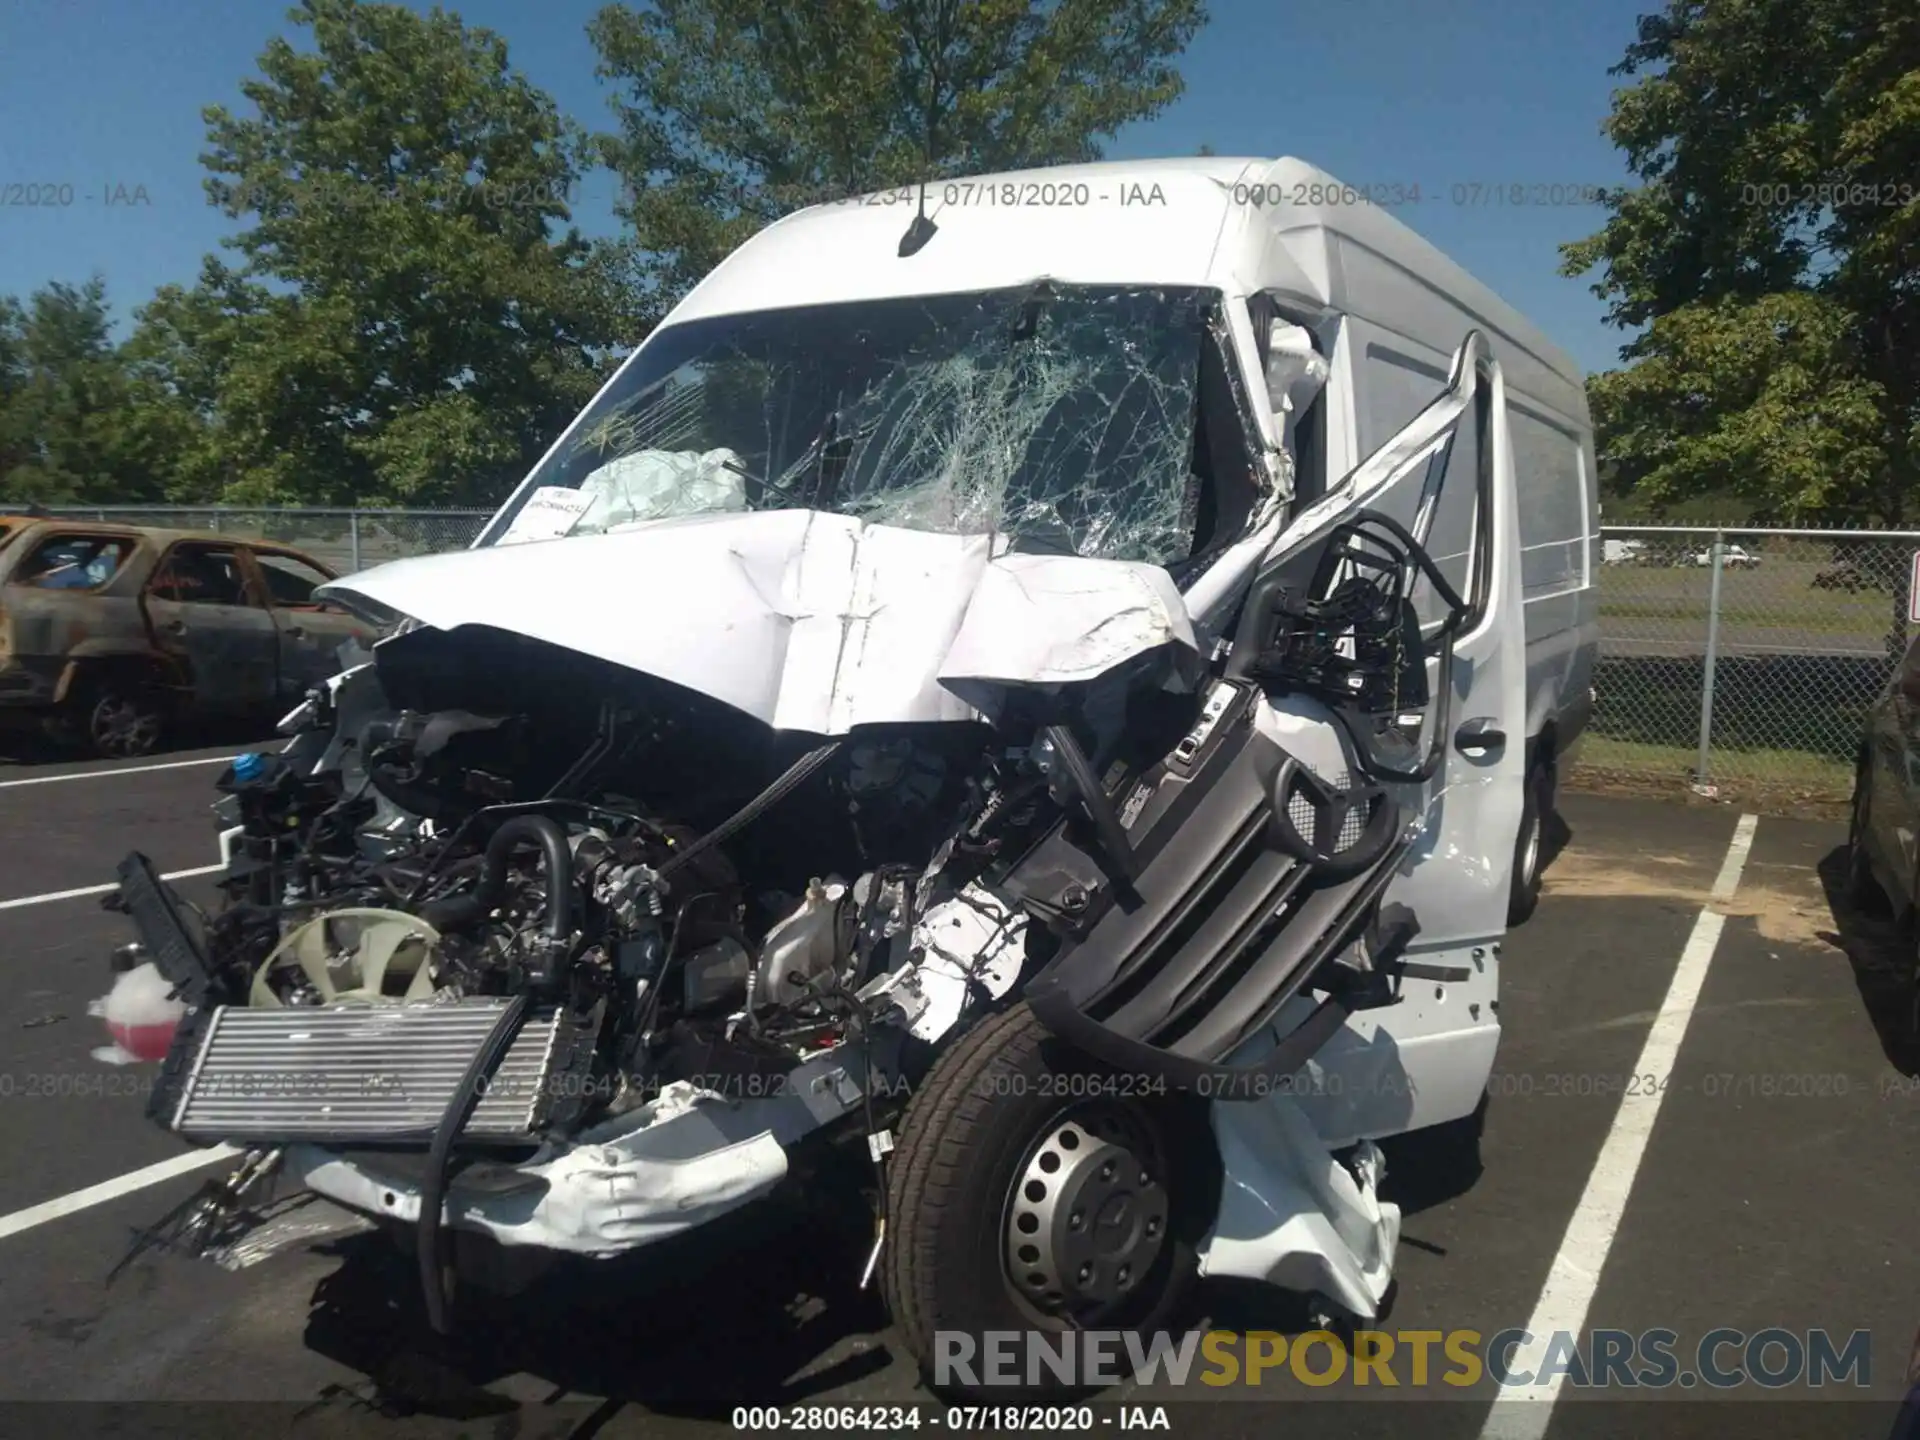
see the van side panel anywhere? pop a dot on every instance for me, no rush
(1550, 467)
(1394, 380)
(1374, 288)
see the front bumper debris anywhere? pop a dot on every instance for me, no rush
(681, 1160)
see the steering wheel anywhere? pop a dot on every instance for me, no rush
(1332, 806)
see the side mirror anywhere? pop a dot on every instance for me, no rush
(1910, 685)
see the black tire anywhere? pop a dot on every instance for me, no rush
(1530, 843)
(1864, 893)
(990, 1112)
(122, 719)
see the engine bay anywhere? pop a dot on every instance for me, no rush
(678, 894)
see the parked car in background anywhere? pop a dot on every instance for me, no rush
(1732, 557)
(1848, 576)
(1623, 552)
(112, 634)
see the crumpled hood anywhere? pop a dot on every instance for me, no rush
(806, 620)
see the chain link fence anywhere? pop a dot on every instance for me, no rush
(1743, 661)
(1732, 661)
(346, 540)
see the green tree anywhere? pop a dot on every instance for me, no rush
(74, 417)
(13, 381)
(739, 111)
(1769, 259)
(407, 321)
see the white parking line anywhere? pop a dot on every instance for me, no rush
(33, 1215)
(1728, 880)
(1522, 1412)
(103, 774)
(53, 895)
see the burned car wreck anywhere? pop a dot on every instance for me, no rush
(990, 766)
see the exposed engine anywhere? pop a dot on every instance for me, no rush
(618, 913)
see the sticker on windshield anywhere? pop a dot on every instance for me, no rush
(550, 512)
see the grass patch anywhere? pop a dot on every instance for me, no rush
(1769, 782)
(1779, 705)
(1797, 768)
(1863, 621)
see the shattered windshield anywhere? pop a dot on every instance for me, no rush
(1061, 416)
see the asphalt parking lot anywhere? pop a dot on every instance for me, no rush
(1764, 1184)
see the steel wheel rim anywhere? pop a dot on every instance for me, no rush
(1087, 1215)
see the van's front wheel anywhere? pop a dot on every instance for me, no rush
(1033, 1191)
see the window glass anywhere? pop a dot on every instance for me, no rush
(1547, 477)
(1397, 388)
(74, 562)
(290, 581)
(201, 575)
(1438, 500)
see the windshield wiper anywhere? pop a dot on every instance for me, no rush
(829, 434)
(777, 486)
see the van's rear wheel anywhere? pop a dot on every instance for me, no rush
(1529, 846)
(1033, 1190)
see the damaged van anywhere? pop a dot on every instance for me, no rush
(1060, 695)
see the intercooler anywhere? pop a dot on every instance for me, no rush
(357, 1073)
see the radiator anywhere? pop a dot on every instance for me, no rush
(353, 1073)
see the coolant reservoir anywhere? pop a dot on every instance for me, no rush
(141, 1015)
(805, 943)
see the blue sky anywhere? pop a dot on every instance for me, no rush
(105, 96)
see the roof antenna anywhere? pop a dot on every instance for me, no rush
(922, 228)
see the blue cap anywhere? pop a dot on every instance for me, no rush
(246, 767)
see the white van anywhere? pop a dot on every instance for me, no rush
(1057, 675)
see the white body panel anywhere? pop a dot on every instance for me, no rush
(807, 621)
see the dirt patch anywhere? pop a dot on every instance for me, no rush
(1648, 875)
(1788, 905)
(1786, 902)
(1801, 802)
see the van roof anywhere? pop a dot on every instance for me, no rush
(1181, 221)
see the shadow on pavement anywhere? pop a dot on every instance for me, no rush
(760, 1307)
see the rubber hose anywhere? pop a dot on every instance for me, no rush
(1095, 802)
(461, 910)
(433, 1190)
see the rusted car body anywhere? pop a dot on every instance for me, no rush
(110, 634)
